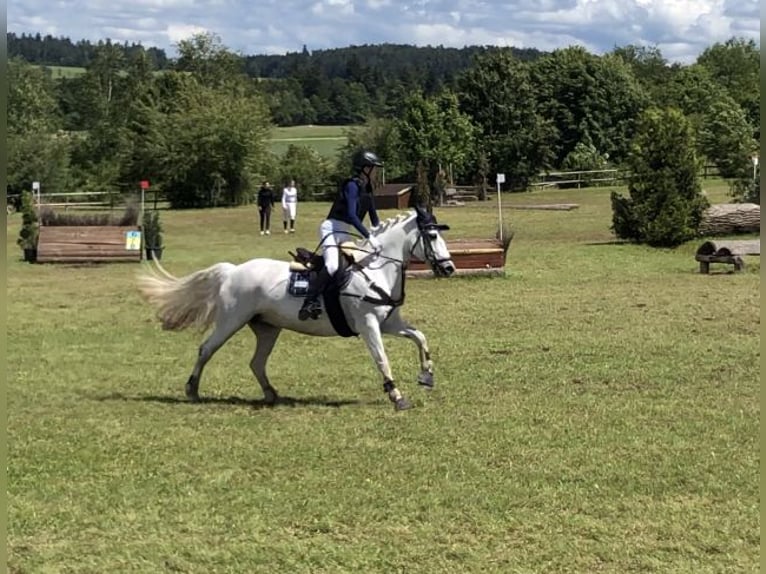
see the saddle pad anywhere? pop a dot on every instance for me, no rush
(298, 284)
(353, 252)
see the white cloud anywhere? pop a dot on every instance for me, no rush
(681, 29)
(333, 6)
(178, 32)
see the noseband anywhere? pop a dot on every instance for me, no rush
(428, 250)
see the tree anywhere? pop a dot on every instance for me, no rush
(379, 136)
(102, 104)
(207, 59)
(434, 131)
(726, 139)
(592, 100)
(665, 203)
(736, 66)
(218, 144)
(498, 95)
(142, 156)
(307, 167)
(36, 150)
(648, 65)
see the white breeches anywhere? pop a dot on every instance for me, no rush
(288, 211)
(333, 232)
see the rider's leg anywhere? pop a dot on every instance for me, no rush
(311, 306)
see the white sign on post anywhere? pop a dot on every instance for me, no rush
(500, 179)
(36, 192)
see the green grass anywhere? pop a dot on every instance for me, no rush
(597, 410)
(327, 140)
(58, 72)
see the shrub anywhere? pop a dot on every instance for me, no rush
(666, 204)
(49, 217)
(152, 229)
(29, 224)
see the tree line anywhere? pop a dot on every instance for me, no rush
(340, 86)
(197, 126)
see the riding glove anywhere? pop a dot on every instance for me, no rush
(374, 243)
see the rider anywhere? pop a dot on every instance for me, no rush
(354, 201)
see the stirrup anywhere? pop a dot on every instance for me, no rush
(310, 309)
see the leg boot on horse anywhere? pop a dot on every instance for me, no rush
(311, 306)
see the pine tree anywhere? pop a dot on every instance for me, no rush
(666, 204)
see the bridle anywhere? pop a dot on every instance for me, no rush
(428, 249)
(384, 298)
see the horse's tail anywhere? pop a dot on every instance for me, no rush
(187, 301)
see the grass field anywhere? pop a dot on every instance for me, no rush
(58, 72)
(327, 140)
(596, 410)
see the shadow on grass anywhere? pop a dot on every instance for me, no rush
(607, 242)
(235, 401)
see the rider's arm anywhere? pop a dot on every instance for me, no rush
(374, 219)
(352, 199)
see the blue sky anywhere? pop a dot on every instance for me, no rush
(681, 29)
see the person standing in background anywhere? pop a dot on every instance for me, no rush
(289, 206)
(266, 201)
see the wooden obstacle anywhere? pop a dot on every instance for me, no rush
(88, 244)
(470, 256)
(730, 252)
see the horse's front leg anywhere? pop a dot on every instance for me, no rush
(372, 336)
(395, 325)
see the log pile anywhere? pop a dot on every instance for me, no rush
(730, 218)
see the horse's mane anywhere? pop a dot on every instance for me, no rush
(391, 222)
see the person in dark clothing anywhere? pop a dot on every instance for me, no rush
(354, 202)
(265, 203)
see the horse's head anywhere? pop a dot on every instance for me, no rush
(431, 247)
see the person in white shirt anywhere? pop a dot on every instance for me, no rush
(289, 206)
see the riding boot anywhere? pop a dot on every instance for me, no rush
(311, 306)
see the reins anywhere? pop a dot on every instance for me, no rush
(384, 298)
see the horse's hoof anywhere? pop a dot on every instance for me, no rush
(402, 404)
(193, 397)
(271, 401)
(426, 380)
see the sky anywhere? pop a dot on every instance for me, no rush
(681, 29)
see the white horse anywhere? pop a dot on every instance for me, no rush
(255, 293)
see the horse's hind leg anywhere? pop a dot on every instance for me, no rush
(266, 337)
(225, 327)
(395, 325)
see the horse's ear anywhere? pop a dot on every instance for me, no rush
(428, 220)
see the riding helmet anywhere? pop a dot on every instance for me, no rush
(364, 158)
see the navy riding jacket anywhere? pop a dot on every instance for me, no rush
(354, 202)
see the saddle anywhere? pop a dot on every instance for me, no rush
(307, 263)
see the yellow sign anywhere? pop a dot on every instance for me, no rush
(133, 240)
